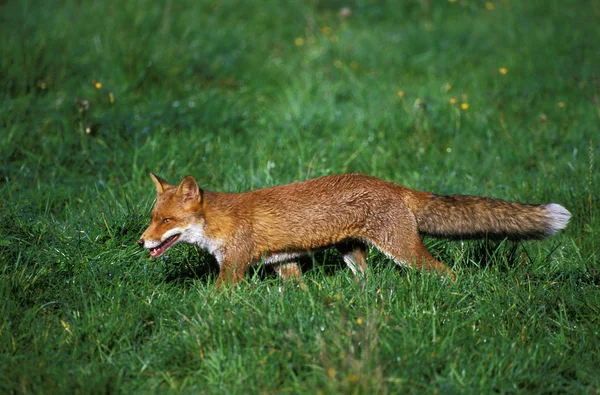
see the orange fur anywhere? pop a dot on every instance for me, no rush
(348, 211)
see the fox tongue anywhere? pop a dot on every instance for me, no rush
(155, 252)
(161, 249)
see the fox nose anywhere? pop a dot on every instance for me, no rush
(140, 242)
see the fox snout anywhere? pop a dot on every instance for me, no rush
(140, 242)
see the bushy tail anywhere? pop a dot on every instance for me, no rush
(468, 217)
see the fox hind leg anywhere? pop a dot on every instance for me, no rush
(424, 260)
(354, 253)
(417, 257)
(406, 248)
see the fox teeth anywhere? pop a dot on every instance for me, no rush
(159, 250)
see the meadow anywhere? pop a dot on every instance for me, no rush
(497, 98)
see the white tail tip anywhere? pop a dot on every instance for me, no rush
(558, 217)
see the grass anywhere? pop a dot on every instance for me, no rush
(496, 98)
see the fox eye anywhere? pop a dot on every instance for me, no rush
(166, 220)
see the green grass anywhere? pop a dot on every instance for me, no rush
(223, 90)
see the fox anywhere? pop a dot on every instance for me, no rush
(278, 225)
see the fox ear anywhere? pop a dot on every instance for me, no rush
(160, 184)
(189, 190)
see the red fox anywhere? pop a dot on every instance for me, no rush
(349, 212)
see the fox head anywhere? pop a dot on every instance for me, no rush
(177, 216)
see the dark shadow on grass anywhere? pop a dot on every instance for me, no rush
(327, 262)
(486, 253)
(199, 265)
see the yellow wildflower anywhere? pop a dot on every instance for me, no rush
(560, 105)
(331, 372)
(464, 106)
(66, 326)
(489, 6)
(503, 70)
(98, 85)
(43, 85)
(447, 87)
(299, 41)
(359, 321)
(453, 100)
(400, 94)
(326, 30)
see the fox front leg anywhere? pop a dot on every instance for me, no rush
(289, 271)
(233, 266)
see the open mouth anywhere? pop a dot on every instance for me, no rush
(164, 246)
